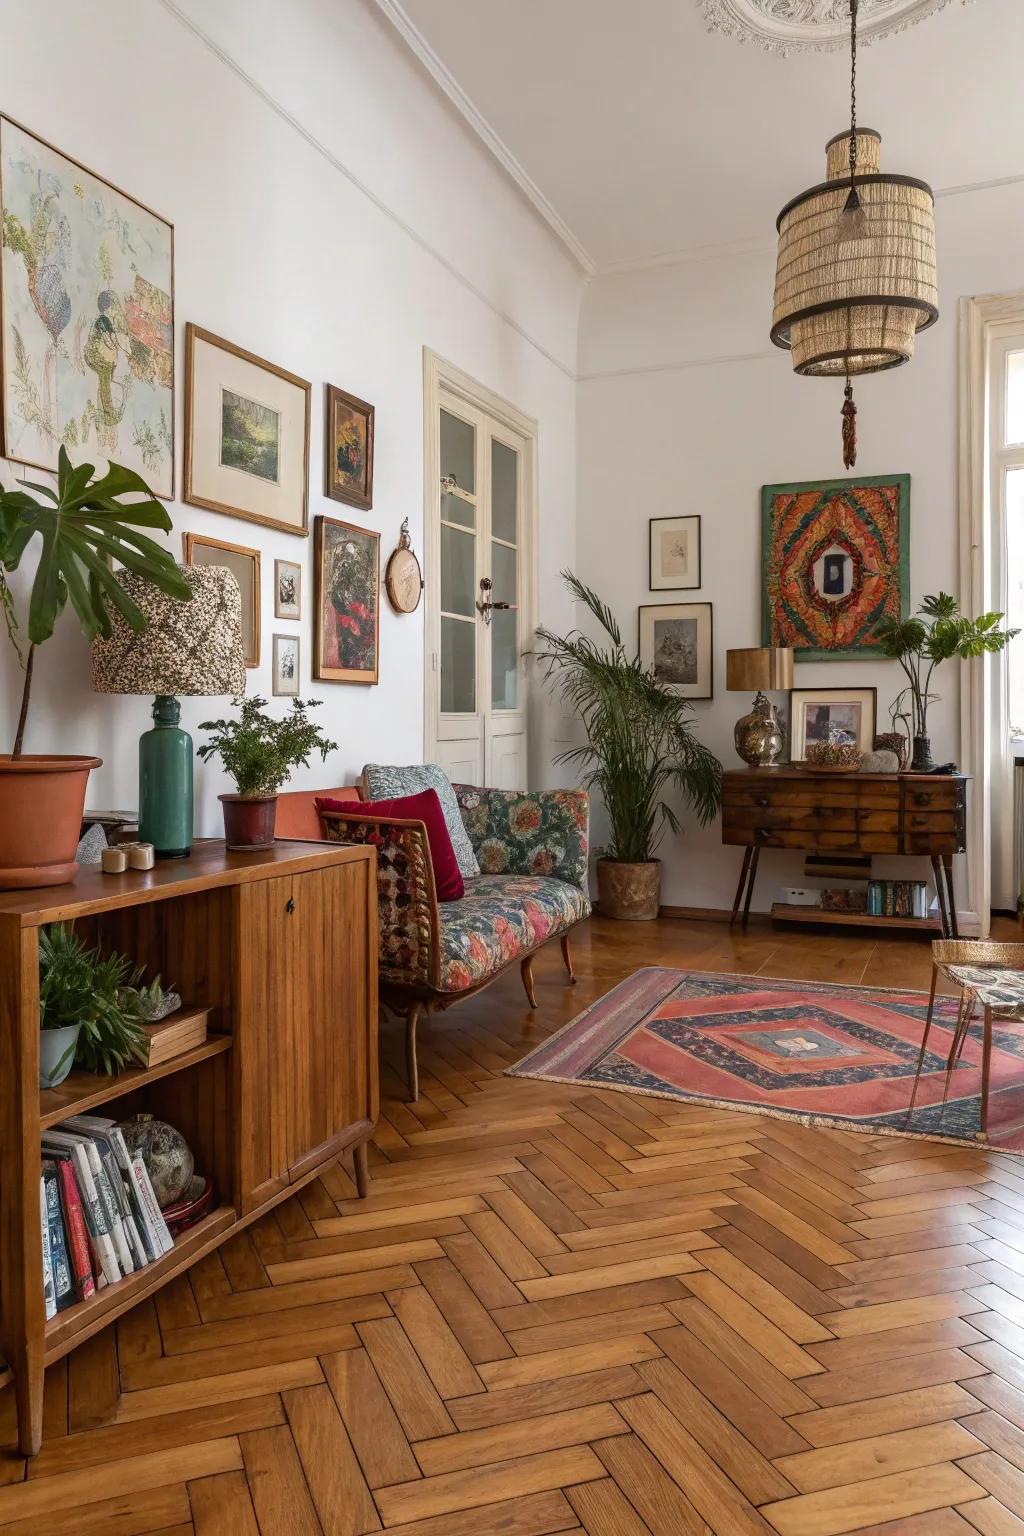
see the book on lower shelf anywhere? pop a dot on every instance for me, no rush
(897, 898)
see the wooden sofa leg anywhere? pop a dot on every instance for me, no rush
(567, 957)
(526, 971)
(362, 1170)
(412, 1071)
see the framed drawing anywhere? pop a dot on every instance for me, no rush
(676, 640)
(86, 316)
(348, 449)
(246, 434)
(835, 561)
(674, 553)
(346, 573)
(284, 682)
(244, 565)
(814, 711)
(287, 589)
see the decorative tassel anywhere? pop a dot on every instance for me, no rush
(849, 414)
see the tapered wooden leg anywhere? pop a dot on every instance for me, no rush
(362, 1170)
(742, 882)
(924, 1041)
(947, 866)
(986, 1073)
(940, 885)
(567, 957)
(412, 1071)
(750, 884)
(526, 971)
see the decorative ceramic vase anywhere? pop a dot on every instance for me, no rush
(41, 805)
(165, 782)
(249, 821)
(629, 892)
(57, 1049)
(922, 760)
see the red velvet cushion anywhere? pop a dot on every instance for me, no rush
(425, 807)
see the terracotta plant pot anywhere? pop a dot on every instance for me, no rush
(41, 805)
(630, 892)
(249, 821)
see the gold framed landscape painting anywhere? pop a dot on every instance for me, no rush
(86, 316)
(246, 434)
(348, 448)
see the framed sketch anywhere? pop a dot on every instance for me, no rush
(287, 589)
(346, 571)
(676, 640)
(814, 711)
(86, 316)
(244, 565)
(348, 449)
(246, 435)
(674, 553)
(284, 682)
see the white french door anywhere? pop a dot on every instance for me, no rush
(480, 469)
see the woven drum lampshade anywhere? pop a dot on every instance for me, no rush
(188, 648)
(756, 667)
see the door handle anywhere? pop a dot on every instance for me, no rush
(485, 606)
(289, 906)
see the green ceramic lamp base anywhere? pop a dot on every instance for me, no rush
(165, 782)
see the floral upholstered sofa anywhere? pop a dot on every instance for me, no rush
(531, 849)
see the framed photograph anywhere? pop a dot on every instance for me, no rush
(346, 571)
(287, 589)
(246, 435)
(348, 449)
(676, 640)
(285, 679)
(835, 560)
(244, 565)
(86, 316)
(675, 553)
(814, 711)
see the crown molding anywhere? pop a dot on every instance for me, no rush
(443, 77)
(818, 26)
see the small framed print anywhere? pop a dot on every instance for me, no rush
(285, 678)
(815, 711)
(675, 553)
(287, 589)
(676, 641)
(348, 449)
(244, 565)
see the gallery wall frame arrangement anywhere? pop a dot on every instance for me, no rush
(287, 589)
(108, 299)
(244, 565)
(835, 561)
(674, 553)
(677, 640)
(246, 434)
(348, 448)
(814, 711)
(286, 660)
(346, 580)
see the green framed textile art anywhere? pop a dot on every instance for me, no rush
(835, 562)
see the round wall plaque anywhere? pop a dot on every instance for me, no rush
(403, 579)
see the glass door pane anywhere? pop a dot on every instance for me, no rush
(505, 575)
(458, 565)
(1014, 425)
(458, 666)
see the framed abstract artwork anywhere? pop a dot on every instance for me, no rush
(246, 434)
(244, 565)
(86, 316)
(346, 570)
(674, 553)
(676, 639)
(835, 562)
(348, 449)
(284, 682)
(287, 589)
(815, 711)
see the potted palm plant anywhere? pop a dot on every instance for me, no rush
(640, 745)
(259, 753)
(83, 527)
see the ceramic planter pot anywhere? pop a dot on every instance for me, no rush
(249, 821)
(41, 805)
(922, 761)
(57, 1054)
(630, 892)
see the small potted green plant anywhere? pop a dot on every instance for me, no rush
(90, 1009)
(259, 753)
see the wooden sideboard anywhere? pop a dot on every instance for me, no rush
(856, 813)
(281, 946)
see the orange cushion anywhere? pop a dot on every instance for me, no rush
(297, 813)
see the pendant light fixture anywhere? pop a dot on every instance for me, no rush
(855, 279)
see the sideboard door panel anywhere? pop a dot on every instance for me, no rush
(264, 992)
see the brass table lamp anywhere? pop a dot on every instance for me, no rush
(760, 736)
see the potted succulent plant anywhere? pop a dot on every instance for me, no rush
(640, 744)
(90, 1008)
(83, 527)
(259, 753)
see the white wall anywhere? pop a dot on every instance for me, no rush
(684, 406)
(333, 214)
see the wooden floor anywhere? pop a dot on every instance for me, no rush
(563, 1310)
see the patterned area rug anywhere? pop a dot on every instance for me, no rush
(826, 1055)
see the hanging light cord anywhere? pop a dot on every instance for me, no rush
(853, 93)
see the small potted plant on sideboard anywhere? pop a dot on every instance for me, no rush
(90, 1008)
(259, 753)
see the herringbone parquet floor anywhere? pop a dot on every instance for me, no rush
(563, 1310)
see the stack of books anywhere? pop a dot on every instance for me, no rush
(897, 898)
(100, 1217)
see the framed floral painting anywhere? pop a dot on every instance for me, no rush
(346, 568)
(348, 449)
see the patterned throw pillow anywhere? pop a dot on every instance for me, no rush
(387, 782)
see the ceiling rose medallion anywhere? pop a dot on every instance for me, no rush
(790, 26)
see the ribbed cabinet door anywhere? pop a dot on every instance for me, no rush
(265, 985)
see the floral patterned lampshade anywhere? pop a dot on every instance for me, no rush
(187, 648)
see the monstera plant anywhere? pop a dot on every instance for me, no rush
(78, 531)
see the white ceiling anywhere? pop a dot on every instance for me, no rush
(641, 136)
